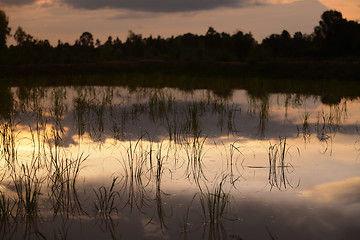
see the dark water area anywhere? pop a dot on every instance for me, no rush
(111, 162)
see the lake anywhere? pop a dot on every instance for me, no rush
(95, 162)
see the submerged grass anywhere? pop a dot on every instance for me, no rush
(160, 168)
(214, 202)
(27, 186)
(105, 199)
(6, 206)
(233, 153)
(194, 148)
(63, 184)
(8, 142)
(278, 166)
(305, 129)
(136, 165)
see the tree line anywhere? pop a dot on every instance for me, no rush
(334, 37)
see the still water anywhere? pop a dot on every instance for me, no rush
(115, 163)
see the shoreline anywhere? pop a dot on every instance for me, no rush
(292, 69)
(332, 81)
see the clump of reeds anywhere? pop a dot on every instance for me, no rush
(27, 186)
(105, 199)
(6, 206)
(305, 128)
(160, 105)
(193, 118)
(160, 160)
(175, 128)
(135, 165)
(194, 147)
(136, 159)
(232, 162)
(278, 167)
(8, 143)
(62, 183)
(214, 202)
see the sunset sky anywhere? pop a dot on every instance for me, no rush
(67, 19)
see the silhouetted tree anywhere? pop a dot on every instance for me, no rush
(298, 35)
(336, 35)
(243, 44)
(212, 38)
(329, 24)
(285, 35)
(6, 102)
(4, 28)
(109, 41)
(86, 39)
(97, 43)
(134, 46)
(211, 31)
(21, 37)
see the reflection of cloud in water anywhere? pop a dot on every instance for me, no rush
(152, 230)
(346, 191)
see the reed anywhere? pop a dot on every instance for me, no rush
(194, 148)
(135, 165)
(6, 206)
(8, 142)
(305, 130)
(233, 153)
(105, 199)
(193, 118)
(214, 202)
(27, 187)
(160, 207)
(175, 128)
(63, 184)
(278, 166)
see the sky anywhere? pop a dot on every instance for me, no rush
(66, 20)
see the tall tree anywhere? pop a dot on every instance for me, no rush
(329, 24)
(4, 28)
(336, 35)
(86, 39)
(20, 36)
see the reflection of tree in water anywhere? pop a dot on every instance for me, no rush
(262, 110)
(328, 124)
(9, 141)
(296, 101)
(227, 115)
(6, 102)
(305, 129)
(97, 114)
(140, 189)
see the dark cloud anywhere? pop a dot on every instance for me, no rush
(159, 5)
(132, 15)
(16, 2)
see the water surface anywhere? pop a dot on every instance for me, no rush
(114, 163)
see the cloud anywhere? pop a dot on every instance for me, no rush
(346, 191)
(132, 15)
(159, 5)
(16, 2)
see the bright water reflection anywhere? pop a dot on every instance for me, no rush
(106, 162)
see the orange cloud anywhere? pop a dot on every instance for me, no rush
(349, 8)
(342, 192)
(41, 2)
